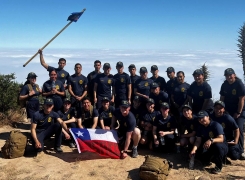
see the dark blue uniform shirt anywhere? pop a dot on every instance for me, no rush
(213, 130)
(127, 123)
(106, 115)
(162, 124)
(143, 86)
(47, 87)
(105, 84)
(161, 82)
(137, 113)
(232, 92)
(66, 115)
(87, 118)
(133, 80)
(121, 82)
(62, 75)
(228, 124)
(199, 94)
(190, 125)
(180, 93)
(43, 120)
(160, 98)
(171, 85)
(150, 117)
(78, 84)
(25, 90)
(91, 79)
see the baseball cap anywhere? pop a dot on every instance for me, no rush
(170, 69)
(66, 100)
(221, 103)
(48, 101)
(154, 85)
(31, 75)
(186, 106)
(202, 114)
(131, 66)
(150, 100)
(106, 65)
(164, 104)
(105, 99)
(229, 71)
(136, 98)
(143, 70)
(197, 72)
(154, 68)
(119, 64)
(124, 103)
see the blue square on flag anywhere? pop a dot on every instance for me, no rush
(82, 134)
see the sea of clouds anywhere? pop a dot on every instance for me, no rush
(12, 61)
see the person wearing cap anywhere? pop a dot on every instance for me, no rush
(105, 113)
(87, 115)
(54, 89)
(143, 86)
(45, 123)
(172, 80)
(103, 86)
(67, 114)
(158, 79)
(232, 93)
(200, 93)
(62, 75)
(137, 110)
(133, 77)
(158, 96)
(210, 143)
(127, 128)
(30, 92)
(91, 78)
(77, 86)
(179, 93)
(147, 122)
(163, 130)
(189, 124)
(122, 88)
(230, 128)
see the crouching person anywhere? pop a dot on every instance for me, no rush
(44, 124)
(163, 129)
(127, 128)
(210, 142)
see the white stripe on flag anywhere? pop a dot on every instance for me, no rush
(103, 135)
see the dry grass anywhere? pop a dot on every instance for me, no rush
(12, 117)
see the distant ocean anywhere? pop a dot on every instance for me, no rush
(12, 61)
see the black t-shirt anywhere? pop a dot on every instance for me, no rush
(121, 82)
(150, 117)
(104, 85)
(168, 124)
(232, 92)
(180, 93)
(133, 80)
(137, 113)
(143, 86)
(213, 130)
(78, 84)
(106, 115)
(127, 123)
(228, 124)
(158, 99)
(87, 116)
(190, 125)
(43, 120)
(66, 115)
(171, 84)
(199, 94)
(47, 87)
(62, 75)
(161, 82)
(91, 79)
(25, 90)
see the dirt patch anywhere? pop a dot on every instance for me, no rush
(71, 165)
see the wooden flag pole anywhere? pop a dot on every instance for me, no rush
(50, 40)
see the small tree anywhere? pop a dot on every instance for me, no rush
(206, 72)
(8, 92)
(241, 47)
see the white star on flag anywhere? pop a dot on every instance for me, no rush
(79, 133)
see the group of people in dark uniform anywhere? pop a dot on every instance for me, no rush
(148, 111)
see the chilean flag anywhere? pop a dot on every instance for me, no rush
(100, 141)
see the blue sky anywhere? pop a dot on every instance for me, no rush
(123, 24)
